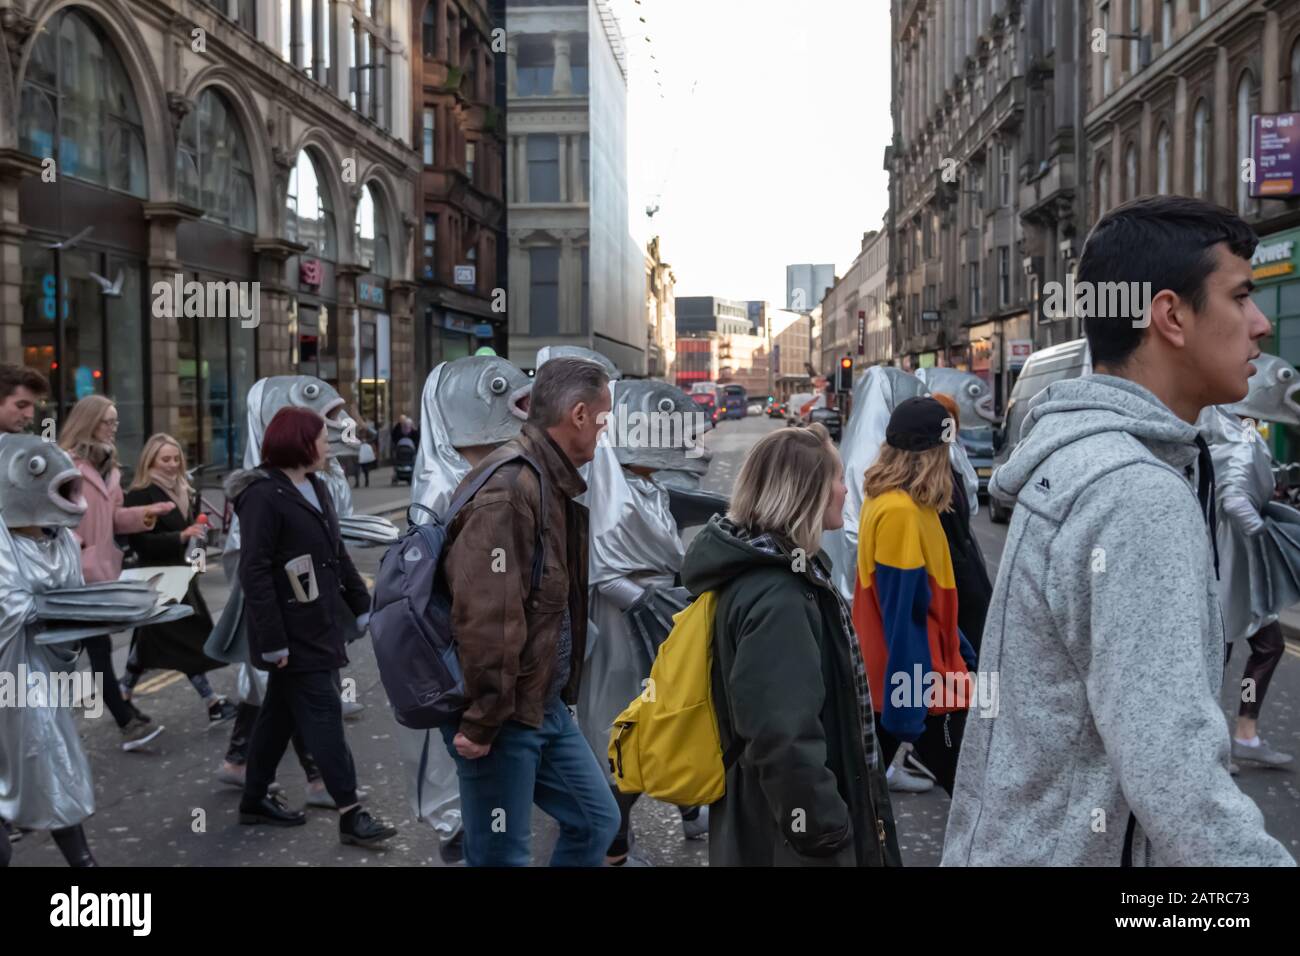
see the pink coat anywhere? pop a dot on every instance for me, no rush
(101, 558)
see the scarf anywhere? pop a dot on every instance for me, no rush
(177, 489)
(102, 457)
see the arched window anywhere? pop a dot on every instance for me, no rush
(1201, 151)
(1162, 160)
(1103, 188)
(371, 229)
(213, 170)
(308, 212)
(76, 84)
(1245, 106)
(1131, 172)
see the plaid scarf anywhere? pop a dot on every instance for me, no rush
(769, 543)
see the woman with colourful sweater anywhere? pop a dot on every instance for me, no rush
(918, 662)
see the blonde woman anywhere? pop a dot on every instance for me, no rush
(808, 788)
(905, 602)
(161, 477)
(89, 436)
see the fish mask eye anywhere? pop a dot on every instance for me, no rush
(498, 386)
(311, 390)
(1285, 374)
(665, 404)
(36, 465)
(972, 390)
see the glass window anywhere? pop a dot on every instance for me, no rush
(578, 66)
(585, 149)
(1004, 175)
(309, 212)
(76, 84)
(469, 160)
(1162, 161)
(428, 137)
(1004, 276)
(1167, 23)
(1203, 9)
(430, 245)
(1106, 79)
(428, 34)
(371, 229)
(535, 67)
(213, 170)
(1135, 30)
(1201, 150)
(543, 167)
(544, 291)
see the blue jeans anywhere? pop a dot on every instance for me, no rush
(552, 766)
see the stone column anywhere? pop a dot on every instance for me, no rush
(347, 273)
(440, 30)
(401, 324)
(512, 66)
(564, 170)
(1180, 180)
(569, 295)
(164, 331)
(274, 347)
(521, 169)
(563, 85)
(1224, 169)
(14, 167)
(1270, 81)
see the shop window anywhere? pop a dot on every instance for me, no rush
(543, 167)
(371, 232)
(309, 212)
(544, 291)
(213, 170)
(76, 84)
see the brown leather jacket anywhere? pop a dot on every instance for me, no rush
(506, 633)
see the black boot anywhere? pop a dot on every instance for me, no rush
(6, 849)
(71, 842)
(361, 829)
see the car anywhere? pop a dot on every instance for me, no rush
(755, 408)
(830, 417)
(776, 410)
(1041, 369)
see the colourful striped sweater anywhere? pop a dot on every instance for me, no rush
(905, 613)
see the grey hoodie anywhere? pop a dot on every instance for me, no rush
(1106, 636)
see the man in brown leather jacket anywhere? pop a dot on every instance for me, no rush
(521, 648)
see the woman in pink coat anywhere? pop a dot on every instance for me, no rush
(88, 436)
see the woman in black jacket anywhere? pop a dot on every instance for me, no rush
(161, 477)
(789, 685)
(297, 578)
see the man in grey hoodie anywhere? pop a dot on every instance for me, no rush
(1108, 746)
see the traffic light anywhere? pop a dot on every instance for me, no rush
(845, 381)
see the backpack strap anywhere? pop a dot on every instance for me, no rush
(470, 490)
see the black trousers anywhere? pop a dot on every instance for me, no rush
(308, 701)
(100, 651)
(1267, 645)
(241, 735)
(937, 747)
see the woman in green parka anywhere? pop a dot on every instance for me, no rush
(808, 788)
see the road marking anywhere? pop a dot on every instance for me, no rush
(155, 684)
(1293, 648)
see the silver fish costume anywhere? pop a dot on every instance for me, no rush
(974, 401)
(466, 403)
(45, 781)
(1258, 539)
(875, 396)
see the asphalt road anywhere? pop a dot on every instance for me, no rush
(162, 806)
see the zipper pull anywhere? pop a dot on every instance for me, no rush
(880, 831)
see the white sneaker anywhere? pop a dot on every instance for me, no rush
(1261, 753)
(900, 781)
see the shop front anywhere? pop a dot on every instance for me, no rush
(372, 341)
(1276, 268)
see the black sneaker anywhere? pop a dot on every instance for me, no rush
(452, 852)
(139, 714)
(221, 710)
(359, 828)
(271, 811)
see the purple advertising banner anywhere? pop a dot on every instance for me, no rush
(1275, 147)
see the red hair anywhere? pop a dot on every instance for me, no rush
(290, 440)
(950, 403)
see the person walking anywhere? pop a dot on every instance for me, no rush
(160, 477)
(521, 650)
(21, 389)
(296, 578)
(365, 453)
(808, 788)
(89, 436)
(1109, 747)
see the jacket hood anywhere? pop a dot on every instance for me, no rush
(1076, 409)
(238, 481)
(718, 555)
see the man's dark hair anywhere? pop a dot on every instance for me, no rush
(14, 377)
(562, 383)
(1167, 241)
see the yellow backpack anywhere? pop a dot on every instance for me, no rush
(666, 742)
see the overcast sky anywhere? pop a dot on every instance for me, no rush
(768, 142)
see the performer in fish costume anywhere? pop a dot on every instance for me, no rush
(1258, 539)
(228, 641)
(974, 401)
(469, 407)
(635, 555)
(45, 608)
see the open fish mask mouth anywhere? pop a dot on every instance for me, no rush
(339, 427)
(519, 401)
(65, 493)
(984, 408)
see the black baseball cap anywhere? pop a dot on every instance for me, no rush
(917, 424)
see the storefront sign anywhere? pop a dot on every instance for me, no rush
(1018, 350)
(465, 275)
(1273, 259)
(457, 324)
(981, 354)
(370, 293)
(1275, 147)
(310, 272)
(484, 330)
